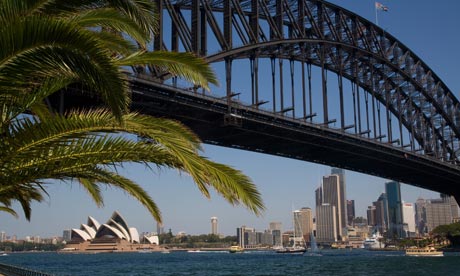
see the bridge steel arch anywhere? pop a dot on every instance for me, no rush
(415, 140)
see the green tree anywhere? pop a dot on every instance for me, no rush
(49, 45)
(450, 232)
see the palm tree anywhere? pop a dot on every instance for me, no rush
(48, 45)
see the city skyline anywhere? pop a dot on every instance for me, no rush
(282, 182)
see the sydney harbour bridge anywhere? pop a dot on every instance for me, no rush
(308, 80)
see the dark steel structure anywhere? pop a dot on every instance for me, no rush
(322, 84)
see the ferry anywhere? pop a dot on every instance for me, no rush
(428, 251)
(236, 249)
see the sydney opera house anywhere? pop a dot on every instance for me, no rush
(113, 236)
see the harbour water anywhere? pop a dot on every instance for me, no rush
(332, 262)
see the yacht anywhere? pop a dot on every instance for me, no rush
(373, 242)
(428, 251)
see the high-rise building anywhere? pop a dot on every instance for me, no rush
(160, 228)
(2, 236)
(303, 223)
(331, 196)
(277, 237)
(350, 211)
(371, 216)
(381, 213)
(319, 195)
(67, 235)
(393, 191)
(438, 212)
(342, 195)
(326, 226)
(214, 225)
(408, 220)
(453, 204)
(275, 225)
(420, 215)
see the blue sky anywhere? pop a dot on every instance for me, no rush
(429, 28)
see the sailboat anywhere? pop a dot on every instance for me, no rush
(295, 248)
(314, 251)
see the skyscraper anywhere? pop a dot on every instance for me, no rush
(303, 223)
(381, 213)
(438, 212)
(371, 216)
(420, 215)
(453, 204)
(393, 191)
(350, 211)
(331, 196)
(67, 235)
(342, 195)
(408, 220)
(160, 228)
(326, 223)
(275, 225)
(319, 195)
(214, 225)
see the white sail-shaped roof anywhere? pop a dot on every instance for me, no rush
(152, 239)
(93, 223)
(120, 227)
(106, 229)
(91, 232)
(134, 235)
(119, 219)
(80, 234)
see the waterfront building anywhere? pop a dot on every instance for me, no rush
(420, 216)
(67, 235)
(326, 224)
(343, 212)
(438, 212)
(275, 225)
(214, 225)
(350, 211)
(371, 216)
(2, 236)
(160, 228)
(319, 196)
(408, 220)
(381, 213)
(453, 204)
(303, 223)
(393, 191)
(331, 195)
(277, 239)
(276, 228)
(113, 236)
(247, 237)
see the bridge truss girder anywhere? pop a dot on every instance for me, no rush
(319, 33)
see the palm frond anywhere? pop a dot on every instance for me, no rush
(184, 65)
(112, 19)
(8, 210)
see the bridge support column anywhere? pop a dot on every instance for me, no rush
(457, 197)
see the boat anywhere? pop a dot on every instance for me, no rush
(194, 251)
(295, 248)
(292, 250)
(236, 249)
(314, 250)
(427, 251)
(373, 242)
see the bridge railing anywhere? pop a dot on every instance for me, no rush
(246, 111)
(11, 270)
